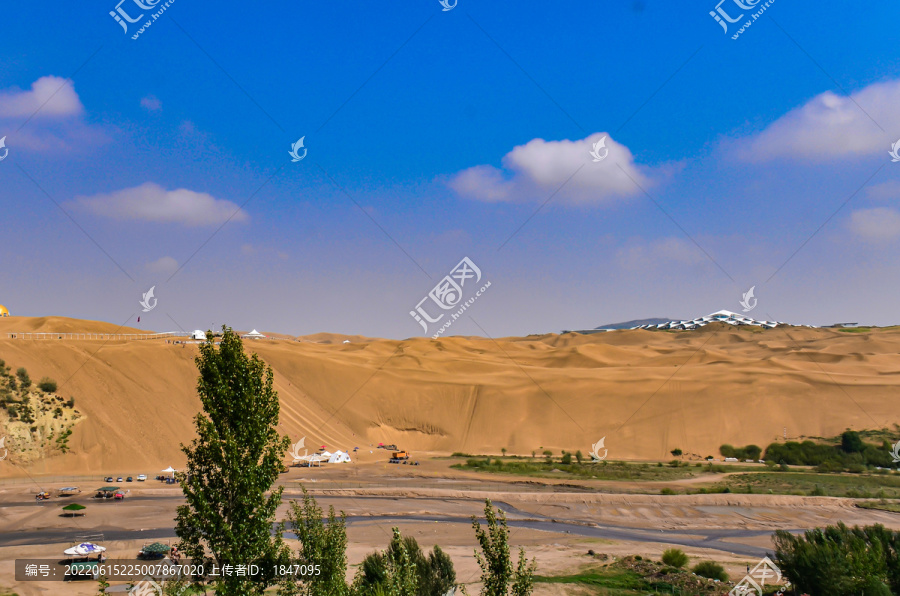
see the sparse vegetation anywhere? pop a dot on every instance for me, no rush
(634, 575)
(675, 557)
(47, 385)
(605, 470)
(711, 570)
(24, 379)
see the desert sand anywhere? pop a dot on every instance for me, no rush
(645, 392)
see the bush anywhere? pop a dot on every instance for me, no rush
(749, 452)
(675, 557)
(434, 575)
(851, 442)
(23, 377)
(47, 385)
(711, 570)
(567, 458)
(676, 452)
(578, 456)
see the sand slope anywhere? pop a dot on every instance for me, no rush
(646, 392)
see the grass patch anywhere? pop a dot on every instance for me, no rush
(881, 505)
(634, 575)
(614, 581)
(813, 483)
(605, 470)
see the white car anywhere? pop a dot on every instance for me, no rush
(142, 477)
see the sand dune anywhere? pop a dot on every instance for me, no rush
(646, 392)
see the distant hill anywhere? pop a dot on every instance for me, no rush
(635, 323)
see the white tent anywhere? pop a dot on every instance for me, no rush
(254, 335)
(198, 334)
(338, 457)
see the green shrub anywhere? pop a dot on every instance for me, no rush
(667, 491)
(24, 379)
(840, 560)
(710, 570)
(567, 458)
(675, 557)
(47, 385)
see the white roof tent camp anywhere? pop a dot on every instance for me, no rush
(722, 316)
(254, 335)
(338, 457)
(198, 334)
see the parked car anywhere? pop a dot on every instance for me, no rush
(142, 477)
(108, 479)
(119, 479)
(129, 479)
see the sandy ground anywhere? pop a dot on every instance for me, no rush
(377, 501)
(645, 392)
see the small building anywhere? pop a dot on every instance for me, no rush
(198, 334)
(4, 312)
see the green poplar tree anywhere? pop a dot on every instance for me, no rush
(497, 574)
(231, 468)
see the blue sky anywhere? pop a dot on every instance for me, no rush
(435, 135)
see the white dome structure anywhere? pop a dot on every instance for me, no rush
(722, 316)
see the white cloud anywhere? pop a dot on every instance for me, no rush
(53, 96)
(878, 225)
(886, 191)
(151, 202)
(163, 266)
(151, 103)
(535, 170)
(831, 126)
